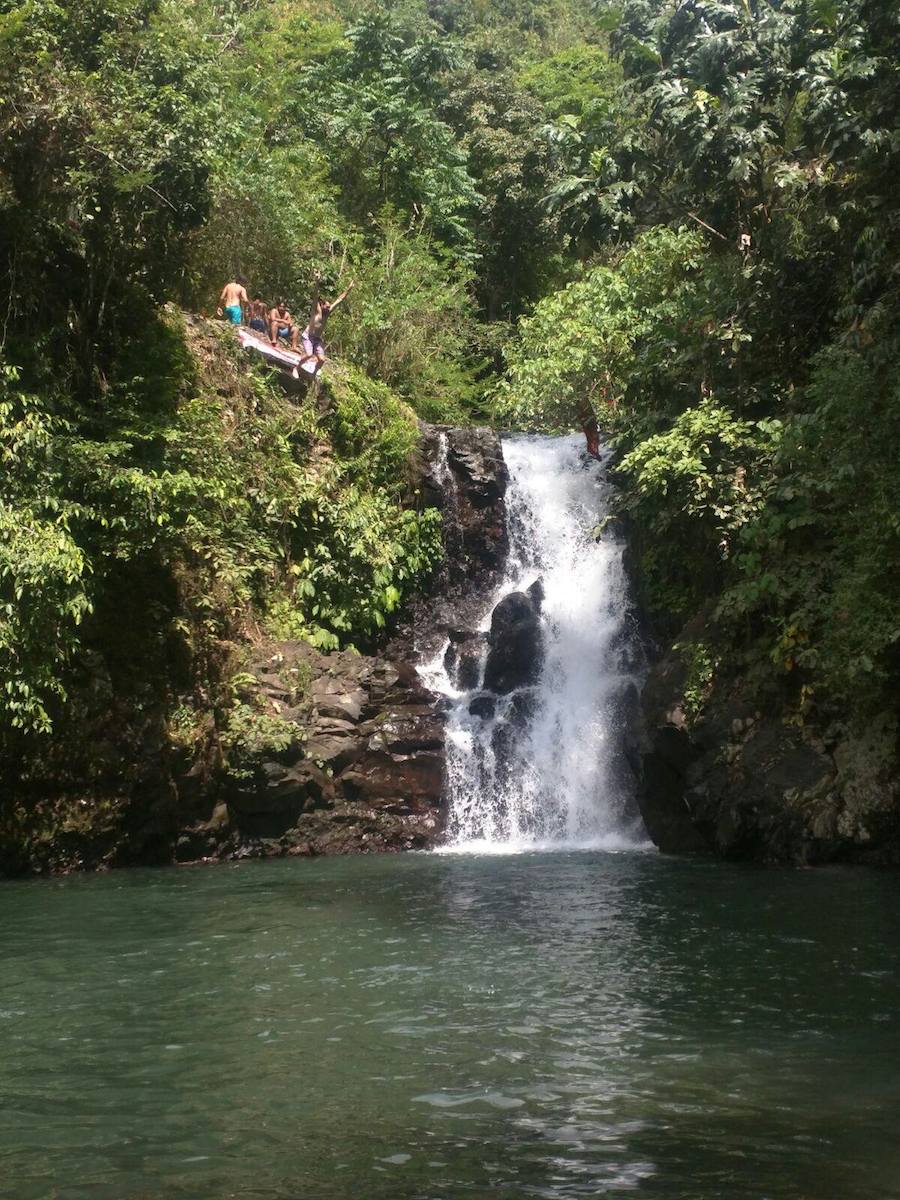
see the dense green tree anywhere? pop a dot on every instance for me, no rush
(375, 102)
(746, 370)
(498, 125)
(104, 168)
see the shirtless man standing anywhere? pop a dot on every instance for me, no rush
(233, 298)
(313, 345)
(281, 324)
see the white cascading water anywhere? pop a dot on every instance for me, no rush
(543, 766)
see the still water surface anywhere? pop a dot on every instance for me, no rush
(427, 1028)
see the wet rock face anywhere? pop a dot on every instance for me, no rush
(516, 649)
(462, 473)
(463, 658)
(747, 785)
(364, 771)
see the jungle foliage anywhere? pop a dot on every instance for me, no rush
(734, 330)
(680, 217)
(157, 498)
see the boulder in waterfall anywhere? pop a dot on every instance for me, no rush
(522, 707)
(463, 658)
(516, 648)
(484, 707)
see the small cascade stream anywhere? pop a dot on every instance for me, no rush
(543, 762)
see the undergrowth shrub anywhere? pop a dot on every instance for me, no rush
(205, 478)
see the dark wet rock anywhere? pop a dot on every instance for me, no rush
(467, 482)
(403, 782)
(506, 740)
(273, 788)
(464, 657)
(333, 750)
(510, 731)
(193, 846)
(522, 707)
(624, 763)
(365, 771)
(747, 785)
(515, 652)
(484, 707)
(330, 700)
(405, 729)
(354, 827)
(468, 485)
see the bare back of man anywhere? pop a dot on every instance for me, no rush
(259, 315)
(233, 300)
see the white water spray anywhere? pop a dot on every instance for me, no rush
(544, 765)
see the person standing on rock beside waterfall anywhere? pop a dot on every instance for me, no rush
(233, 300)
(592, 436)
(313, 344)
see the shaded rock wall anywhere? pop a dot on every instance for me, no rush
(745, 784)
(354, 762)
(463, 475)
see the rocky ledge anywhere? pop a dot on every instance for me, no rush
(345, 754)
(744, 784)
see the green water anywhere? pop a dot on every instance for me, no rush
(433, 1027)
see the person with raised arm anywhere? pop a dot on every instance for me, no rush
(320, 311)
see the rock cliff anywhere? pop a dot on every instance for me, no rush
(747, 784)
(347, 756)
(462, 474)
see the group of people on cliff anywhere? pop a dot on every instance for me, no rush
(276, 322)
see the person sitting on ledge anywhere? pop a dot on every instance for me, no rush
(313, 345)
(281, 325)
(259, 314)
(233, 300)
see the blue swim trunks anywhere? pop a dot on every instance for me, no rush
(234, 314)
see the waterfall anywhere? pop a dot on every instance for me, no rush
(545, 764)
